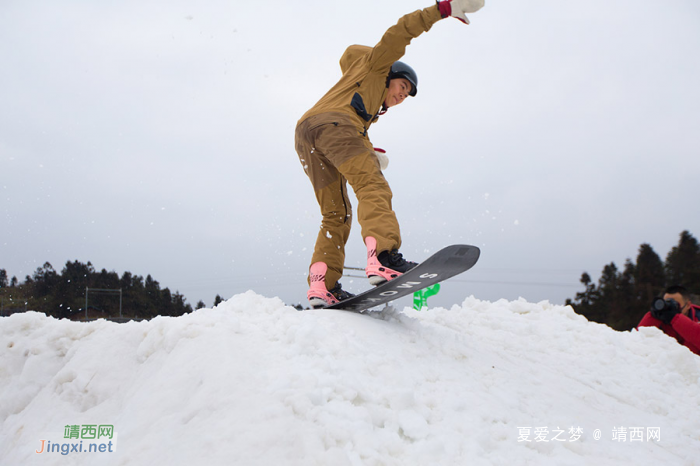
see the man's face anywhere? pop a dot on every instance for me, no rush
(398, 91)
(677, 297)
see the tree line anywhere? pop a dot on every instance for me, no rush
(62, 295)
(623, 296)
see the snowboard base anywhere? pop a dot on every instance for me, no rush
(444, 264)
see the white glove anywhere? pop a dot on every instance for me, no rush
(383, 159)
(458, 8)
(468, 6)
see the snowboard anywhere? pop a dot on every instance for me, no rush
(444, 264)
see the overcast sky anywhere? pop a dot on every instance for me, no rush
(158, 138)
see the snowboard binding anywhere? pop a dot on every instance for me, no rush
(386, 266)
(318, 295)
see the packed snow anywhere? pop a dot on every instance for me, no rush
(255, 382)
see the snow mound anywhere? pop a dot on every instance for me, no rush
(255, 382)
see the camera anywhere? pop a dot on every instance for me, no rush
(660, 305)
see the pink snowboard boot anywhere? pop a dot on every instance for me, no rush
(318, 295)
(385, 266)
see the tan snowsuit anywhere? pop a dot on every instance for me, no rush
(334, 149)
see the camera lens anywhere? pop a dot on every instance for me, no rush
(659, 304)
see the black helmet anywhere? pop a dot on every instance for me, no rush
(402, 70)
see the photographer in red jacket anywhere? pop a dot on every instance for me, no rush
(676, 316)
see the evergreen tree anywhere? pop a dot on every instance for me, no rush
(588, 297)
(3, 278)
(166, 305)
(136, 296)
(126, 281)
(179, 305)
(649, 276)
(153, 293)
(75, 278)
(584, 302)
(44, 282)
(608, 284)
(107, 280)
(45, 279)
(623, 315)
(683, 263)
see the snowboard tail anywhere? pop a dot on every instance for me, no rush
(444, 264)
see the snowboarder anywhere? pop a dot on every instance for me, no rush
(334, 149)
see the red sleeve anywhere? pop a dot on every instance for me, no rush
(687, 329)
(649, 321)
